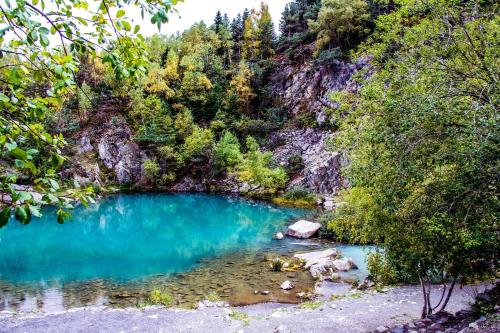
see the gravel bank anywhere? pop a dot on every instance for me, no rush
(350, 312)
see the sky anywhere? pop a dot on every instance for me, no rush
(192, 11)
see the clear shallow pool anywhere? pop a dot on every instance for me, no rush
(117, 251)
(133, 236)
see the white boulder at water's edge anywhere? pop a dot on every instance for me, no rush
(312, 258)
(323, 264)
(303, 229)
(344, 264)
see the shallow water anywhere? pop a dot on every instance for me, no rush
(117, 251)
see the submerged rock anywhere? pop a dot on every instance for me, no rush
(287, 285)
(279, 236)
(303, 229)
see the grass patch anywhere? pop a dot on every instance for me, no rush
(277, 265)
(336, 297)
(212, 297)
(355, 295)
(162, 297)
(243, 317)
(301, 203)
(313, 305)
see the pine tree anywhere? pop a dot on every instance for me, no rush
(218, 22)
(244, 16)
(237, 32)
(284, 29)
(225, 21)
(265, 33)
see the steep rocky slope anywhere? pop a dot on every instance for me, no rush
(103, 151)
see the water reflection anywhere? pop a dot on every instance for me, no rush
(119, 247)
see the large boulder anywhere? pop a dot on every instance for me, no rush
(344, 264)
(319, 263)
(303, 229)
(323, 264)
(311, 258)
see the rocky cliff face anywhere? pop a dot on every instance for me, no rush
(321, 167)
(306, 88)
(103, 151)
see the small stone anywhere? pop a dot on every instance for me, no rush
(287, 285)
(451, 330)
(399, 329)
(279, 236)
(436, 327)
(255, 292)
(265, 292)
(381, 329)
(281, 329)
(474, 326)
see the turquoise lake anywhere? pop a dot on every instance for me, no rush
(120, 249)
(132, 236)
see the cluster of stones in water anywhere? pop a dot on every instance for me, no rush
(230, 279)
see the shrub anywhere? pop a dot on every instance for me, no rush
(227, 154)
(295, 164)
(167, 178)
(151, 169)
(299, 192)
(297, 196)
(276, 265)
(257, 168)
(162, 297)
(198, 144)
(381, 272)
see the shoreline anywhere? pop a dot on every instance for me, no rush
(352, 312)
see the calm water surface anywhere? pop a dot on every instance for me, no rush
(115, 252)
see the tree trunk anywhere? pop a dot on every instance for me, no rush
(424, 293)
(447, 299)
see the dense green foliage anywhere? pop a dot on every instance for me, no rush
(202, 94)
(422, 132)
(422, 137)
(36, 77)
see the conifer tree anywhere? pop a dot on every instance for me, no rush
(249, 48)
(237, 34)
(218, 22)
(265, 32)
